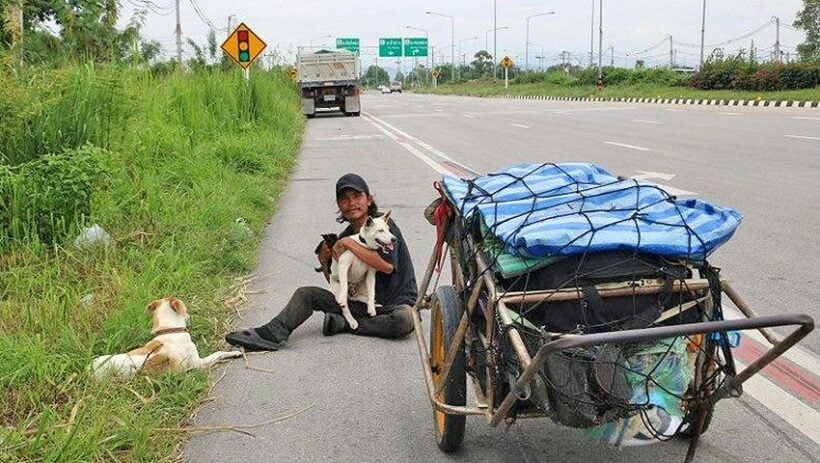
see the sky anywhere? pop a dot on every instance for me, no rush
(630, 27)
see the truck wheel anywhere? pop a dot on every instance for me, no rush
(445, 317)
(310, 116)
(357, 113)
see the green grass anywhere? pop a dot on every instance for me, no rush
(180, 159)
(488, 88)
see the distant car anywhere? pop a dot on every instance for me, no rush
(386, 90)
(395, 87)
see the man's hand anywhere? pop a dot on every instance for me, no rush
(341, 246)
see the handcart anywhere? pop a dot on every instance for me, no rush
(591, 326)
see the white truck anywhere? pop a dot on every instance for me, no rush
(329, 79)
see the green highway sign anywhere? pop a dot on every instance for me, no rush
(390, 47)
(348, 43)
(415, 46)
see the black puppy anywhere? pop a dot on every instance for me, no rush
(327, 240)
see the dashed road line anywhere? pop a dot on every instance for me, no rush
(520, 125)
(624, 145)
(644, 121)
(470, 116)
(803, 118)
(674, 110)
(802, 137)
(724, 113)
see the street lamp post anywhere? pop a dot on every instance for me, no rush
(600, 40)
(702, 33)
(527, 44)
(426, 58)
(452, 39)
(475, 37)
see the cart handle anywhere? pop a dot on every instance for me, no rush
(731, 386)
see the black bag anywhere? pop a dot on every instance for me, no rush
(591, 313)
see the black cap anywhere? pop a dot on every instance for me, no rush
(351, 181)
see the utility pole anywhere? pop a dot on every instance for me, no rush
(178, 33)
(702, 34)
(228, 33)
(671, 53)
(777, 40)
(495, 36)
(592, 35)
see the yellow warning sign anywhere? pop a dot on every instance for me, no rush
(436, 73)
(243, 46)
(506, 62)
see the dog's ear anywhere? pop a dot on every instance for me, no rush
(153, 306)
(178, 306)
(369, 222)
(386, 216)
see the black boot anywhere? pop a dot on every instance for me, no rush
(271, 336)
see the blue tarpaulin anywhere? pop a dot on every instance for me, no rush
(545, 210)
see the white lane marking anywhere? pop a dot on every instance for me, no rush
(520, 125)
(469, 116)
(433, 164)
(349, 137)
(643, 121)
(793, 411)
(563, 113)
(419, 142)
(439, 110)
(803, 118)
(723, 113)
(674, 110)
(802, 137)
(624, 145)
(796, 354)
(646, 176)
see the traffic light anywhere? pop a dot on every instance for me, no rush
(244, 46)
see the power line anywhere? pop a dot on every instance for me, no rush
(202, 15)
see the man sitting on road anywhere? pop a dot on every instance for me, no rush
(396, 289)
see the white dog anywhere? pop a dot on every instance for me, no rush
(171, 350)
(350, 277)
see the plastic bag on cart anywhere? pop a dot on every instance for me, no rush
(658, 376)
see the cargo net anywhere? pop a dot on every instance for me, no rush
(625, 394)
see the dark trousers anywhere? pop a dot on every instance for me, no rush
(391, 321)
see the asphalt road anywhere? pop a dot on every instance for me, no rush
(367, 397)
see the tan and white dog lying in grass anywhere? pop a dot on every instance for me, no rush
(171, 350)
(352, 278)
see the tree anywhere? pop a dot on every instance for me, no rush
(808, 19)
(375, 76)
(483, 63)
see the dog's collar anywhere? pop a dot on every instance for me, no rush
(170, 331)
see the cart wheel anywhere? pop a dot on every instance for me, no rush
(690, 421)
(445, 316)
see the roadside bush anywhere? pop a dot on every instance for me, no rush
(623, 76)
(44, 199)
(739, 74)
